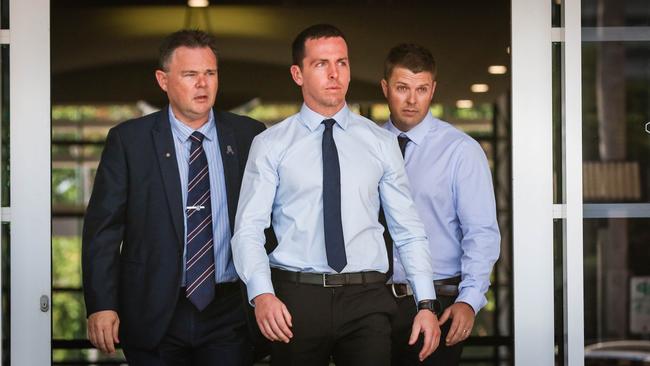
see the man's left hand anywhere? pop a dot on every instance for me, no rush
(462, 320)
(425, 322)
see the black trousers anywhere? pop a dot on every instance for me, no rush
(405, 355)
(218, 335)
(349, 324)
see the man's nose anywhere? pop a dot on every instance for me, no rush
(201, 81)
(332, 72)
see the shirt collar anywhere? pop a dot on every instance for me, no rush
(183, 131)
(313, 120)
(417, 133)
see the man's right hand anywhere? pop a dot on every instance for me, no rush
(103, 327)
(273, 318)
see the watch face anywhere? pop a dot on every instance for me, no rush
(437, 308)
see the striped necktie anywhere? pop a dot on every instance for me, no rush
(199, 260)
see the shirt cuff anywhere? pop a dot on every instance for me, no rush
(257, 286)
(473, 298)
(423, 289)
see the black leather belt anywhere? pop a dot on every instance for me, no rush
(444, 287)
(328, 279)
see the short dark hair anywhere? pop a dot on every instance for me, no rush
(410, 56)
(315, 31)
(191, 38)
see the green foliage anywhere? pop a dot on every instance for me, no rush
(66, 187)
(66, 261)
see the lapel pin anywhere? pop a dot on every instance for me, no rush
(167, 155)
(229, 150)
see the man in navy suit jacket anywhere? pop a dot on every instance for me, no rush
(135, 276)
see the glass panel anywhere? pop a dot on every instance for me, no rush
(6, 299)
(558, 148)
(616, 169)
(4, 14)
(69, 323)
(558, 284)
(613, 13)
(616, 112)
(4, 126)
(617, 288)
(556, 13)
(78, 356)
(68, 315)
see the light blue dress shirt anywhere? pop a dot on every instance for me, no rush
(452, 189)
(284, 177)
(224, 267)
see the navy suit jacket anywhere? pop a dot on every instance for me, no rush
(132, 251)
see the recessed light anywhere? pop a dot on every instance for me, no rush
(198, 3)
(497, 69)
(464, 103)
(479, 88)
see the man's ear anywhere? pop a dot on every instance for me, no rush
(384, 87)
(161, 77)
(296, 74)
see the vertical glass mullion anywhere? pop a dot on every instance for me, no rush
(572, 185)
(4, 202)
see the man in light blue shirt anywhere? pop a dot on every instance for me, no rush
(322, 291)
(452, 188)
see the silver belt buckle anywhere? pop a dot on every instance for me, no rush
(392, 288)
(325, 282)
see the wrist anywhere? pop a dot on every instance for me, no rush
(432, 305)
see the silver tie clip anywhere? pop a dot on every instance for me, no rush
(196, 208)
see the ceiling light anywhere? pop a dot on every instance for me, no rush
(479, 88)
(497, 69)
(464, 103)
(198, 3)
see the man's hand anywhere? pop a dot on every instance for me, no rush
(462, 315)
(103, 327)
(273, 318)
(425, 322)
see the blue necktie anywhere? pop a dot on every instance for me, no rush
(334, 243)
(199, 260)
(403, 140)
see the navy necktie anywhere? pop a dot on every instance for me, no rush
(334, 243)
(199, 260)
(402, 140)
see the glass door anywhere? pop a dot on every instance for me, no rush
(616, 179)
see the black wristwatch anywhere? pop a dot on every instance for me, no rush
(431, 305)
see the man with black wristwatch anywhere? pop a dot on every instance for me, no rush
(322, 174)
(452, 189)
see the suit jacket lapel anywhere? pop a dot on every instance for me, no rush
(230, 158)
(166, 154)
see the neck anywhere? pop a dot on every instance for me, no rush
(193, 123)
(325, 111)
(400, 126)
